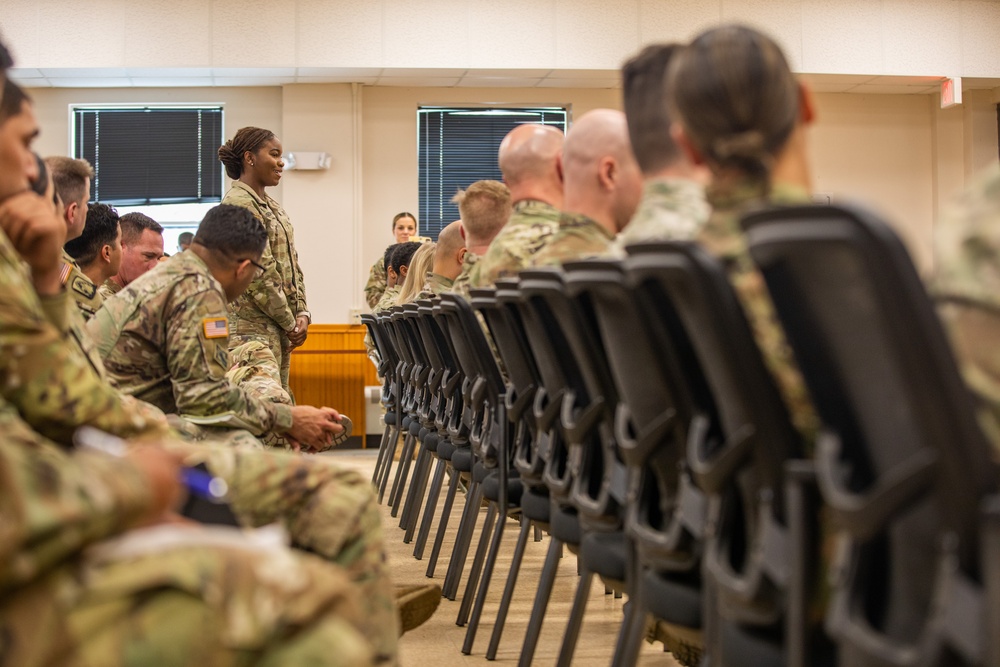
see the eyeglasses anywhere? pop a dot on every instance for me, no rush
(259, 270)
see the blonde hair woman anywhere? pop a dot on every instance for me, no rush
(416, 275)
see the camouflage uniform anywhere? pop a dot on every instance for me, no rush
(966, 288)
(463, 282)
(723, 237)
(109, 289)
(375, 287)
(670, 209)
(45, 375)
(268, 308)
(165, 340)
(578, 237)
(255, 371)
(86, 295)
(388, 299)
(531, 225)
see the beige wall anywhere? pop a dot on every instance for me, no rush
(898, 153)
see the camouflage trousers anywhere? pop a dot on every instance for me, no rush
(254, 368)
(273, 338)
(327, 510)
(223, 606)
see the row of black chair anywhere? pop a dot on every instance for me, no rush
(627, 411)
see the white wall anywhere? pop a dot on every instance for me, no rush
(893, 37)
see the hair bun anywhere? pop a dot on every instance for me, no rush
(745, 145)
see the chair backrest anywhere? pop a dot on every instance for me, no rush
(902, 464)
(741, 437)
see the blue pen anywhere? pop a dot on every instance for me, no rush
(197, 482)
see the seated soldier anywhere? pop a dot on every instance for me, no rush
(399, 264)
(97, 252)
(68, 596)
(485, 208)
(448, 256)
(417, 273)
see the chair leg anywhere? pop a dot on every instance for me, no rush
(631, 633)
(402, 473)
(575, 619)
(545, 584)
(487, 578)
(415, 494)
(492, 517)
(387, 466)
(463, 539)
(538, 533)
(508, 591)
(449, 501)
(383, 447)
(429, 508)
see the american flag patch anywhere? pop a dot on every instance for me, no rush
(64, 272)
(215, 327)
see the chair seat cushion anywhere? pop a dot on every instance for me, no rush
(565, 525)
(390, 418)
(536, 505)
(445, 450)
(480, 472)
(430, 441)
(741, 646)
(605, 554)
(415, 427)
(491, 489)
(461, 460)
(674, 600)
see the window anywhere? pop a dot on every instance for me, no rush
(458, 146)
(151, 155)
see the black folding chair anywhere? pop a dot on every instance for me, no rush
(902, 466)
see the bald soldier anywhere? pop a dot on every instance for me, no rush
(447, 260)
(673, 204)
(603, 187)
(485, 208)
(77, 589)
(530, 159)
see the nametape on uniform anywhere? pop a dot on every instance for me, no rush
(84, 287)
(215, 327)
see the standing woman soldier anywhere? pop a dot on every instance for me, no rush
(404, 228)
(273, 309)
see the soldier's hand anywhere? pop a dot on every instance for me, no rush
(162, 472)
(314, 428)
(38, 234)
(297, 336)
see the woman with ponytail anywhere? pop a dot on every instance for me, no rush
(273, 309)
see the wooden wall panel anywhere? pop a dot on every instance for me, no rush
(332, 369)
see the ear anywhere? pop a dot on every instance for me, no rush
(247, 156)
(559, 169)
(403, 271)
(106, 253)
(69, 212)
(607, 172)
(461, 255)
(461, 229)
(680, 137)
(807, 104)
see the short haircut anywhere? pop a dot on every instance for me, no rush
(232, 231)
(644, 93)
(134, 224)
(13, 100)
(185, 237)
(485, 208)
(100, 230)
(69, 176)
(403, 253)
(387, 256)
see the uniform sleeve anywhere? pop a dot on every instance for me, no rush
(54, 503)
(375, 287)
(268, 294)
(198, 358)
(45, 376)
(300, 305)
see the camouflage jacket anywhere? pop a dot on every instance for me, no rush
(45, 373)
(434, 285)
(109, 289)
(531, 225)
(966, 288)
(388, 299)
(280, 294)
(54, 503)
(723, 237)
(671, 208)
(463, 282)
(375, 287)
(578, 237)
(84, 292)
(165, 340)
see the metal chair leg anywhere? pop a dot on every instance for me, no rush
(429, 508)
(402, 473)
(415, 494)
(463, 539)
(387, 466)
(449, 501)
(575, 619)
(508, 592)
(492, 516)
(545, 584)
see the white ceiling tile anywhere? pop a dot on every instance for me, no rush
(579, 83)
(33, 83)
(980, 45)
(24, 73)
(595, 33)
(677, 20)
(252, 80)
(254, 71)
(843, 36)
(253, 31)
(171, 82)
(498, 82)
(429, 33)
(433, 82)
(338, 71)
(94, 31)
(168, 72)
(177, 33)
(779, 19)
(90, 82)
(423, 71)
(83, 72)
(339, 34)
(922, 37)
(512, 33)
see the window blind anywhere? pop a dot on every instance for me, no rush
(151, 155)
(458, 146)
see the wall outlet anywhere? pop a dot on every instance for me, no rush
(354, 314)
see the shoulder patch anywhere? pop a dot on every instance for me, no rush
(64, 272)
(84, 287)
(215, 327)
